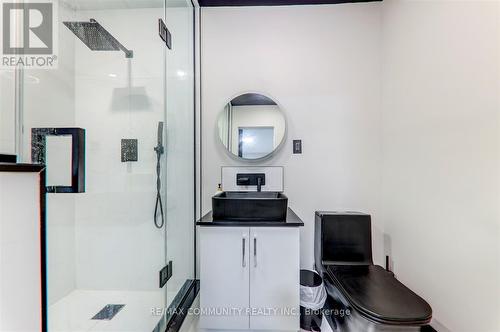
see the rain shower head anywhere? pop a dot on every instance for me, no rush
(96, 37)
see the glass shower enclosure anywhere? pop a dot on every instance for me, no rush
(120, 248)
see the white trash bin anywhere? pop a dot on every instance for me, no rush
(312, 299)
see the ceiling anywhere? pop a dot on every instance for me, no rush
(124, 4)
(227, 3)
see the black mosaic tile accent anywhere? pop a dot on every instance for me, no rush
(129, 150)
(38, 142)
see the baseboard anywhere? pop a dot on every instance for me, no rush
(438, 326)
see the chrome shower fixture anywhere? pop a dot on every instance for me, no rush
(96, 37)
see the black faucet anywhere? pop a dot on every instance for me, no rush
(251, 179)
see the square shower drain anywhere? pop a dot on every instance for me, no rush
(108, 312)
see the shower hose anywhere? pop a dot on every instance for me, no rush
(159, 203)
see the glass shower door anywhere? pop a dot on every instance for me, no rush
(180, 149)
(104, 251)
(105, 248)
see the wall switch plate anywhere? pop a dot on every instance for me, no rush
(129, 150)
(297, 146)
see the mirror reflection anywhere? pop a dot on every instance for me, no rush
(251, 126)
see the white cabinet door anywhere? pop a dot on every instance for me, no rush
(20, 264)
(274, 278)
(224, 277)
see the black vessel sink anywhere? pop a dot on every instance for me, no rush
(249, 206)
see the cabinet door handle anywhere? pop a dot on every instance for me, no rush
(255, 251)
(243, 262)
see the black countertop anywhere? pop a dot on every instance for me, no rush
(292, 220)
(12, 167)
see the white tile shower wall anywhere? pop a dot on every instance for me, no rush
(274, 178)
(117, 245)
(322, 65)
(49, 102)
(441, 155)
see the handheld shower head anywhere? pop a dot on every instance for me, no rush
(159, 147)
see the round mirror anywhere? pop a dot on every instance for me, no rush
(251, 126)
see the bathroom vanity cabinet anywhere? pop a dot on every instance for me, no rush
(22, 247)
(249, 274)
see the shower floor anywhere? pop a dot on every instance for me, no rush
(74, 312)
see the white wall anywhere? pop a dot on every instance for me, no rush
(441, 155)
(397, 105)
(322, 65)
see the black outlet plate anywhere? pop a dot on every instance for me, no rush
(165, 274)
(297, 146)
